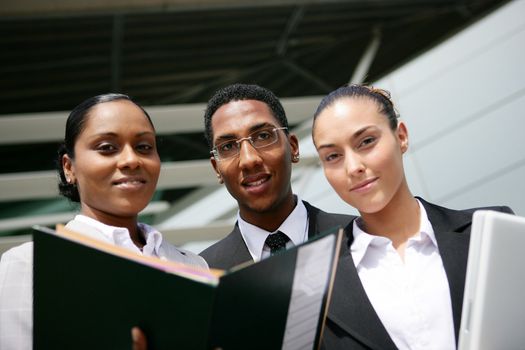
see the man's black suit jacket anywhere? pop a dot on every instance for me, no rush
(352, 323)
(232, 251)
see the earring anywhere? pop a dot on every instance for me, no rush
(70, 181)
(221, 181)
(295, 158)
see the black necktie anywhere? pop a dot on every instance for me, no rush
(276, 241)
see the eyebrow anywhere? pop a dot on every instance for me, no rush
(114, 134)
(142, 133)
(252, 128)
(355, 135)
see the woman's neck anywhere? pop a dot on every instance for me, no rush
(398, 220)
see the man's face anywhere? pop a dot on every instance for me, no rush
(258, 178)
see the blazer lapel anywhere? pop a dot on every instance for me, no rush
(350, 309)
(312, 219)
(239, 253)
(320, 221)
(452, 230)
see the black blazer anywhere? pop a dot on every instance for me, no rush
(232, 251)
(352, 323)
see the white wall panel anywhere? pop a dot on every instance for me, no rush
(465, 91)
(485, 33)
(474, 152)
(413, 174)
(490, 192)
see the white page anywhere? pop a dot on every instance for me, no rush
(312, 272)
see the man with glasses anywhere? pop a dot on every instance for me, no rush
(252, 154)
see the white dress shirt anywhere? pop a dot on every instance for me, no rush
(411, 298)
(16, 275)
(295, 227)
(120, 237)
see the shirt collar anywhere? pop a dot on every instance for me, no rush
(295, 227)
(363, 240)
(153, 239)
(119, 236)
(425, 226)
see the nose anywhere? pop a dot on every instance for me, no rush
(128, 158)
(249, 157)
(354, 164)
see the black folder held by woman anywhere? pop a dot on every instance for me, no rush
(88, 295)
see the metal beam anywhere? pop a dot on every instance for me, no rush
(293, 22)
(366, 60)
(25, 8)
(309, 76)
(169, 119)
(116, 50)
(43, 184)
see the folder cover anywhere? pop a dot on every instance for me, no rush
(88, 294)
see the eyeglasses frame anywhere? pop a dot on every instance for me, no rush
(215, 153)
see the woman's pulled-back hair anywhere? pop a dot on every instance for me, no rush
(380, 96)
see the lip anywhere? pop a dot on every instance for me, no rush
(364, 185)
(129, 182)
(256, 183)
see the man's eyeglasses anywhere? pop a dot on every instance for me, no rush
(258, 139)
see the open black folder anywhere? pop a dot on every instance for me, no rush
(89, 294)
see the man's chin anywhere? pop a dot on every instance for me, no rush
(261, 207)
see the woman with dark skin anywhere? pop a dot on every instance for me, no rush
(108, 163)
(401, 273)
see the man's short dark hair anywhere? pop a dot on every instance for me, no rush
(238, 92)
